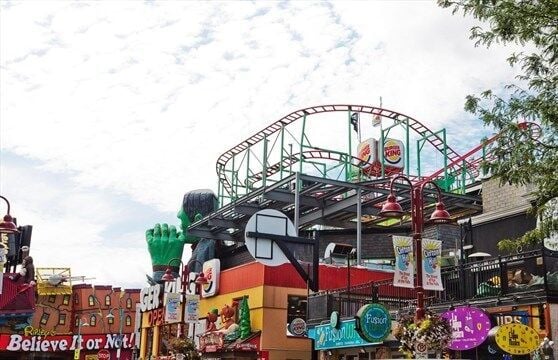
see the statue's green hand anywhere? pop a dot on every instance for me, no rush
(164, 244)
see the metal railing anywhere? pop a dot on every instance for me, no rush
(532, 273)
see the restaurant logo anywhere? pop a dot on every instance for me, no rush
(393, 150)
(373, 323)
(516, 339)
(469, 327)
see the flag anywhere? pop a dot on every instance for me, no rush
(376, 120)
(404, 275)
(354, 121)
(431, 264)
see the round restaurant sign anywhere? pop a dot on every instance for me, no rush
(297, 327)
(469, 327)
(517, 339)
(373, 323)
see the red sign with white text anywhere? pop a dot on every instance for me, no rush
(16, 342)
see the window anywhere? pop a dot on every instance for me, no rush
(44, 318)
(128, 320)
(61, 319)
(91, 300)
(107, 300)
(110, 320)
(76, 299)
(92, 320)
(66, 300)
(52, 298)
(129, 303)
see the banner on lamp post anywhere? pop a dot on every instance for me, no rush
(404, 275)
(431, 264)
(172, 308)
(192, 309)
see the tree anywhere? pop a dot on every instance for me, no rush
(520, 157)
(245, 328)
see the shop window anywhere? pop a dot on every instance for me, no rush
(52, 299)
(128, 303)
(296, 307)
(66, 299)
(61, 319)
(92, 320)
(107, 300)
(44, 318)
(110, 320)
(128, 320)
(91, 300)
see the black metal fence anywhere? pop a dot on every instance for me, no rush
(529, 273)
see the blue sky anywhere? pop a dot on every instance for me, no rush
(111, 111)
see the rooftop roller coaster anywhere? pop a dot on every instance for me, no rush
(284, 148)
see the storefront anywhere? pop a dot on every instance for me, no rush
(367, 336)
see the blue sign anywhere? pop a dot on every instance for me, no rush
(373, 322)
(327, 337)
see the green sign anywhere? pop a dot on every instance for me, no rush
(327, 337)
(373, 322)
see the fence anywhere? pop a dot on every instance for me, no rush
(533, 272)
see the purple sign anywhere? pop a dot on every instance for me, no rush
(469, 327)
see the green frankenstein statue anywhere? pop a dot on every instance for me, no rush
(166, 243)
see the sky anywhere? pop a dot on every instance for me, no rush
(111, 110)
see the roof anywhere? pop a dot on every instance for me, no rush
(16, 296)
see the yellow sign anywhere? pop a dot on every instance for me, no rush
(76, 354)
(517, 339)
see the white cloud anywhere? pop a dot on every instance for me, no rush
(139, 99)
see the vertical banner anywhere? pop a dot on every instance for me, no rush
(192, 309)
(404, 275)
(431, 264)
(172, 308)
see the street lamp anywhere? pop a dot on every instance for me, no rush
(392, 209)
(78, 346)
(7, 226)
(120, 318)
(199, 280)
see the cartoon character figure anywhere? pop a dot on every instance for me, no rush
(27, 271)
(211, 319)
(404, 259)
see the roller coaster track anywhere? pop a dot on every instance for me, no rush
(534, 133)
(453, 157)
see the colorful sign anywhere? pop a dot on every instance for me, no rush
(172, 308)
(346, 336)
(516, 339)
(297, 327)
(192, 309)
(431, 265)
(211, 271)
(373, 323)
(404, 275)
(16, 342)
(367, 152)
(393, 153)
(469, 327)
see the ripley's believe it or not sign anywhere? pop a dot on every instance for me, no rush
(469, 327)
(53, 343)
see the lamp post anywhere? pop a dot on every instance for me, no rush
(7, 225)
(199, 280)
(78, 342)
(120, 317)
(392, 209)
